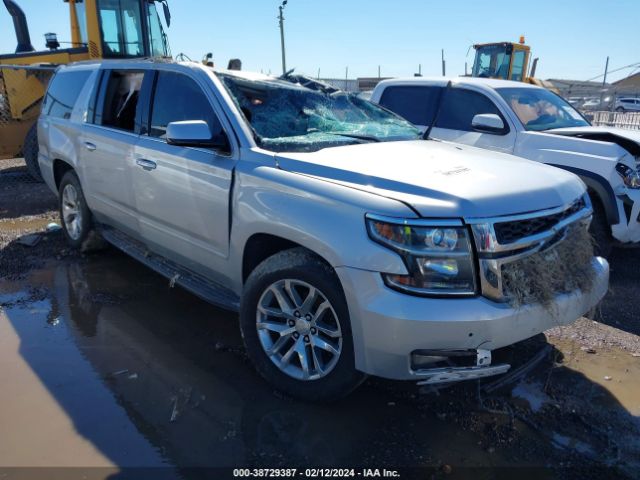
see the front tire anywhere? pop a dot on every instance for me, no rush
(600, 229)
(75, 216)
(296, 328)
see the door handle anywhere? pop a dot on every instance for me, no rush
(90, 146)
(146, 164)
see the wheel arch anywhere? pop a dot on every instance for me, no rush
(60, 168)
(261, 246)
(600, 187)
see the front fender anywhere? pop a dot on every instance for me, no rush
(593, 161)
(326, 218)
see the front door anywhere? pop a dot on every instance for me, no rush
(453, 123)
(182, 193)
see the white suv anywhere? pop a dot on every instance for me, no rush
(536, 124)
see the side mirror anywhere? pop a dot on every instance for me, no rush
(488, 123)
(194, 133)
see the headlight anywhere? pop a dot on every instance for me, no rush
(438, 257)
(630, 176)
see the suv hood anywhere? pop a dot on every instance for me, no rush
(627, 139)
(440, 179)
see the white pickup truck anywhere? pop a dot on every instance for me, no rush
(533, 123)
(348, 244)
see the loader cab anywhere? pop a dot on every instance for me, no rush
(127, 28)
(506, 61)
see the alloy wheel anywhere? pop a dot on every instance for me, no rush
(298, 329)
(71, 211)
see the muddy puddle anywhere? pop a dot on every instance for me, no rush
(24, 224)
(129, 372)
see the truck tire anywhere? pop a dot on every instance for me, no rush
(30, 151)
(296, 328)
(75, 216)
(600, 229)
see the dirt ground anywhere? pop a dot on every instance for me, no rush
(107, 372)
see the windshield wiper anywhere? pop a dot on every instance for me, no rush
(356, 136)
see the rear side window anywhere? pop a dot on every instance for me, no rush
(179, 98)
(63, 92)
(459, 106)
(417, 104)
(118, 100)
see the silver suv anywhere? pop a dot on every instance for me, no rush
(348, 244)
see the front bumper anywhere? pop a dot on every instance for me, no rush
(628, 230)
(388, 326)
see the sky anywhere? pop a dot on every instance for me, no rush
(572, 38)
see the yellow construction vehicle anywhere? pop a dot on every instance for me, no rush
(507, 61)
(99, 29)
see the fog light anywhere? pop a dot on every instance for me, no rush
(446, 268)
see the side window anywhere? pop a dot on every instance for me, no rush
(120, 25)
(179, 98)
(459, 106)
(416, 104)
(517, 69)
(119, 100)
(63, 92)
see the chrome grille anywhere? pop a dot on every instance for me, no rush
(502, 242)
(510, 232)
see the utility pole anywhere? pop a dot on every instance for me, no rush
(606, 71)
(444, 68)
(281, 20)
(604, 82)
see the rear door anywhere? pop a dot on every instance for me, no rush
(182, 193)
(107, 147)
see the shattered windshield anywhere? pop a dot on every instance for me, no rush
(288, 117)
(539, 109)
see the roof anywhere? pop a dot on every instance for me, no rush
(492, 83)
(634, 79)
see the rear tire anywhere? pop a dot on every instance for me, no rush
(75, 216)
(293, 306)
(30, 151)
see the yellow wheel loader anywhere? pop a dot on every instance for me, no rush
(507, 61)
(99, 29)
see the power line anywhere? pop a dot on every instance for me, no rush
(632, 65)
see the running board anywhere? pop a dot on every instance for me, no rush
(198, 285)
